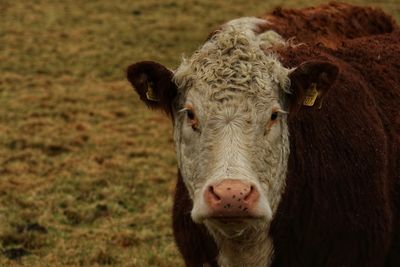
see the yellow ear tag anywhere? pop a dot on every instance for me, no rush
(311, 95)
(150, 93)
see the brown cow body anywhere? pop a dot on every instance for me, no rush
(318, 221)
(341, 204)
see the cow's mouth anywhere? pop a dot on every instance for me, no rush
(234, 220)
(234, 227)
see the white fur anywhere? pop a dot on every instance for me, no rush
(233, 82)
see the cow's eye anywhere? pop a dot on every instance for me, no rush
(274, 116)
(192, 120)
(190, 114)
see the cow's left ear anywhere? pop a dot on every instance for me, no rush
(309, 83)
(153, 83)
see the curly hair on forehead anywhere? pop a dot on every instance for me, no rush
(235, 60)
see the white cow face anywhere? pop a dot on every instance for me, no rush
(238, 137)
(229, 103)
(231, 125)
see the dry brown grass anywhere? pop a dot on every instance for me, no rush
(86, 172)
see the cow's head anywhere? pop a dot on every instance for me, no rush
(230, 104)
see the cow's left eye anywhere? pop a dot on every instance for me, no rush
(274, 116)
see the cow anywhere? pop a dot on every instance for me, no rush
(287, 135)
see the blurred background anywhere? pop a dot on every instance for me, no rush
(87, 173)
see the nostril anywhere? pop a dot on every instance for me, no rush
(212, 192)
(248, 193)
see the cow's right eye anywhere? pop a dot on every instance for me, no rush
(190, 114)
(192, 120)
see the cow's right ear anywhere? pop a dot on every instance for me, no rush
(153, 83)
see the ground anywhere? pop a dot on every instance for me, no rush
(87, 173)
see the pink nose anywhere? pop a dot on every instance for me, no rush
(231, 198)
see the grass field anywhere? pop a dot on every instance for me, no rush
(86, 172)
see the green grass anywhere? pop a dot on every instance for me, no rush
(87, 173)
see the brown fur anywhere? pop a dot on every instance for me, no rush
(329, 24)
(341, 204)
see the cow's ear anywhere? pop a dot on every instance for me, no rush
(309, 83)
(153, 83)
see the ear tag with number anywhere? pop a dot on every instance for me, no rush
(311, 95)
(150, 93)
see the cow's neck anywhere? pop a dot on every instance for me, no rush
(252, 247)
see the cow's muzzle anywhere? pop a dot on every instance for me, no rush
(231, 198)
